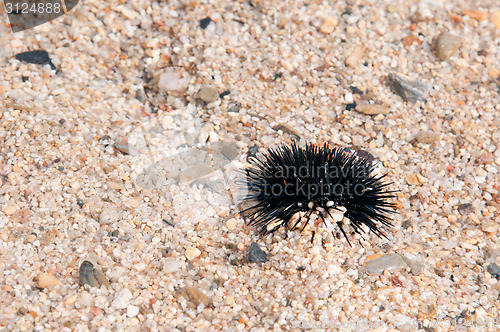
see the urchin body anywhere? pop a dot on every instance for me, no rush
(290, 183)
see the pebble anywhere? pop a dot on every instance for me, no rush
(494, 270)
(195, 296)
(426, 137)
(205, 22)
(356, 55)
(208, 94)
(478, 15)
(495, 19)
(371, 109)
(416, 266)
(409, 90)
(446, 45)
(108, 216)
(85, 300)
(171, 266)
(10, 209)
(191, 253)
(169, 80)
(38, 57)
(256, 255)
(132, 310)
(465, 208)
(329, 25)
(367, 156)
(122, 299)
(387, 262)
(231, 224)
(414, 179)
(409, 40)
(45, 280)
(89, 275)
(123, 147)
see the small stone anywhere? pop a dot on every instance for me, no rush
(191, 253)
(38, 57)
(446, 45)
(108, 216)
(208, 94)
(367, 156)
(89, 275)
(132, 310)
(416, 267)
(169, 80)
(256, 255)
(195, 297)
(45, 280)
(356, 55)
(494, 270)
(231, 224)
(426, 137)
(85, 300)
(371, 109)
(465, 208)
(71, 300)
(10, 209)
(329, 25)
(205, 22)
(409, 90)
(123, 147)
(413, 179)
(409, 40)
(388, 262)
(95, 311)
(122, 299)
(489, 228)
(171, 266)
(478, 15)
(495, 19)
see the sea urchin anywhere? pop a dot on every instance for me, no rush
(290, 183)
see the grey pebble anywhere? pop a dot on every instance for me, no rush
(89, 275)
(446, 45)
(122, 147)
(494, 270)
(465, 208)
(410, 90)
(388, 262)
(416, 266)
(256, 255)
(208, 94)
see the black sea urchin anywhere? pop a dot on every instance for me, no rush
(289, 183)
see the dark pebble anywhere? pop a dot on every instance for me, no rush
(225, 93)
(122, 147)
(205, 22)
(25, 78)
(168, 222)
(80, 203)
(465, 208)
(494, 270)
(256, 255)
(356, 90)
(365, 155)
(38, 57)
(351, 106)
(409, 90)
(92, 276)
